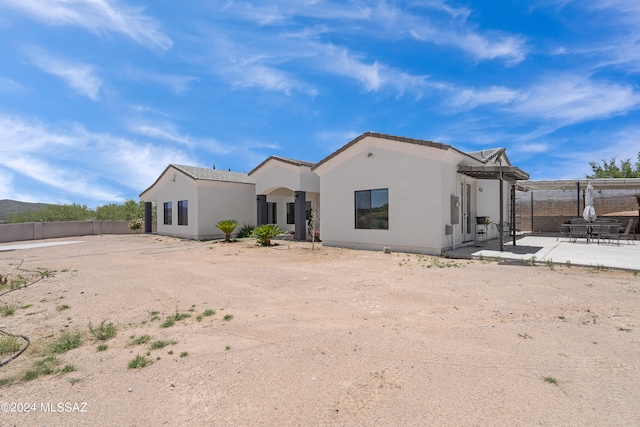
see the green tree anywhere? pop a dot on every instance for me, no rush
(611, 169)
(51, 213)
(127, 211)
(227, 226)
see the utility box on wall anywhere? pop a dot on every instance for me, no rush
(455, 210)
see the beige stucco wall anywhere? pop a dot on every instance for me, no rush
(218, 201)
(276, 174)
(421, 181)
(414, 176)
(50, 230)
(208, 201)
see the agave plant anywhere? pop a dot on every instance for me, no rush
(264, 233)
(227, 226)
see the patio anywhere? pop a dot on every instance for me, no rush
(558, 250)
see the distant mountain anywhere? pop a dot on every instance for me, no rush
(9, 207)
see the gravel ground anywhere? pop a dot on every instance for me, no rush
(287, 336)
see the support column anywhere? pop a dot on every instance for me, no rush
(262, 215)
(300, 213)
(148, 217)
(513, 212)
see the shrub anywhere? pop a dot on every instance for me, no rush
(264, 233)
(103, 332)
(245, 231)
(227, 226)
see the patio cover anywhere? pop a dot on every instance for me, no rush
(509, 173)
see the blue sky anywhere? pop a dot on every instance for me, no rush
(97, 97)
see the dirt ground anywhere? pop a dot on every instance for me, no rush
(324, 337)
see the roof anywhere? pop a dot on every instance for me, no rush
(293, 162)
(383, 136)
(206, 174)
(486, 156)
(570, 184)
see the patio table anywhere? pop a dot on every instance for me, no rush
(591, 229)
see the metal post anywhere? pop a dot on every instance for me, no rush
(501, 204)
(578, 184)
(513, 212)
(531, 211)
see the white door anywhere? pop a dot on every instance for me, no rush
(466, 210)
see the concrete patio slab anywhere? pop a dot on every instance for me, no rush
(34, 245)
(559, 251)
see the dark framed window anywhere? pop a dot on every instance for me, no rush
(168, 214)
(183, 212)
(272, 213)
(372, 209)
(291, 212)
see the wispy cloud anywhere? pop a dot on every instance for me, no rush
(168, 132)
(572, 99)
(176, 83)
(11, 86)
(467, 99)
(386, 20)
(50, 156)
(97, 16)
(79, 76)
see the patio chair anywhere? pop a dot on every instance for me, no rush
(579, 229)
(610, 231)
(625, 234)
(563, 229)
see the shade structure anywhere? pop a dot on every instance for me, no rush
(589, 211)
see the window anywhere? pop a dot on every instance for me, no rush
(167, 213)
(183, 212)
(291, 215)
(372, 209)
(272, 213)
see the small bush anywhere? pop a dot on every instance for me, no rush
(67, 341)
(264, 233)
(9, 309)
(227, 317)
(184, 354)
(102, 347)
(63, 307)
(245, 231)
(140, 340)
(104, 331)
(156, 345)
(68, 368)
(9, 344)
(227, 226)
(208, 312)
(139, 362)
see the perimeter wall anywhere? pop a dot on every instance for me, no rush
(51, 230)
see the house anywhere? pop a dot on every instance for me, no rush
(376, 191)
(191, 200)
(411, 195)
(286, 192)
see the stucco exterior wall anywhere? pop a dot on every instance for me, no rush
(420, 186)
(218, 201)
(276, 174)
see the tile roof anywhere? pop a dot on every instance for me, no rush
(206, 174)
(209, 174)
(293, 162)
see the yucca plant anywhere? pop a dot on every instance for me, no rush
(264, 233)
(227, 226)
